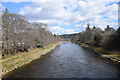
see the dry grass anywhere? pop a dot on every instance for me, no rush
(115, 55)
(12, 62)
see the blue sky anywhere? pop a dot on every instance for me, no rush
(67, 16)
(15, 7)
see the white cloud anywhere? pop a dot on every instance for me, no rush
(53, 0)
(66, 23)
(65, 12)
(31, 10)
(50, 22)
(95, 11)
(59, 30)
(43, 1)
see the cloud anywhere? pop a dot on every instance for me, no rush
(32, 10)
(49, 10)
(43, 1)
(50, 22)
(79, 25)
(58, 13)
(98, 14)
(59, 30)
(66, 23)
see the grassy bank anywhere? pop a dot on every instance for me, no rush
(15, 61)
(113, 55)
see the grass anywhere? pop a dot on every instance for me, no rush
(113, 55)
(11, 62)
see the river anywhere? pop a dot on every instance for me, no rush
(68, 60)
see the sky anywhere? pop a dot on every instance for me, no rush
(66, 16)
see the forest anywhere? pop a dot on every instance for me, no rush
(19, 35)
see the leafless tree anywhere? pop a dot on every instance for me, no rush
(20, 35)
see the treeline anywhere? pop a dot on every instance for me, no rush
(69, 37)
(18, 35)
(108, 38)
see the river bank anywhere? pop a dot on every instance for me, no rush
(112, 55)
(18, 60)
(69, 60)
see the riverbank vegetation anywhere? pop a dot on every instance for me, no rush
(23, 41)
(15, 61)
(105, 42)
(19, 35)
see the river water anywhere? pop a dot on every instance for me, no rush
(68, 60)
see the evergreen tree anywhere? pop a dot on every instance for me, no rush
(88, 27)
(6, 11)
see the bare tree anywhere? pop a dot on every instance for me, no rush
(20, 35)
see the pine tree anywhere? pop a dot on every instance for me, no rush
(88, 27)
(6, 11)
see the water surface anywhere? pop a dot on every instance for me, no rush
(68, 60)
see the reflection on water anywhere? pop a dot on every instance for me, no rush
(66, 61)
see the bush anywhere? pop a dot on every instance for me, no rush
(113, 41)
